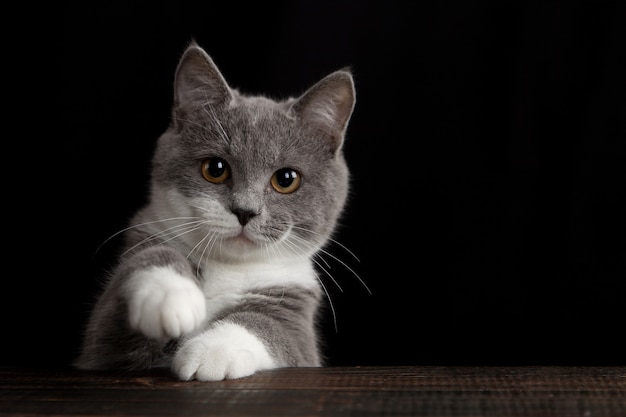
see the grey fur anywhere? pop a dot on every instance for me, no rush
(256, 136)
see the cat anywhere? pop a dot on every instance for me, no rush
(217, 277)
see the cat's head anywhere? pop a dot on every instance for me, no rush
(251, 176)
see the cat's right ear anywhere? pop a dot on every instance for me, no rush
(198, 81)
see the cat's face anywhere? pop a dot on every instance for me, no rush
(249, 176)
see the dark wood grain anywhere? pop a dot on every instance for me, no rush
(335, 391)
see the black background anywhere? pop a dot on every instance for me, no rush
(487, 149)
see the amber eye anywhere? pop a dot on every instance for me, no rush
(215, 170)
(286, 180)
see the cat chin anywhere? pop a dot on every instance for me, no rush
(240, 247)
(242, 241)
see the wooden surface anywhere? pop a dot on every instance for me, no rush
(335, 391)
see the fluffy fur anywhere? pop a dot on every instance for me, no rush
(217, 276)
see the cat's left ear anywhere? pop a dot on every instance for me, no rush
(329, 104)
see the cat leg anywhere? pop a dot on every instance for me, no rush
(225, 351)
(163, 304)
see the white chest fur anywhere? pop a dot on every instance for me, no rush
(226, 283)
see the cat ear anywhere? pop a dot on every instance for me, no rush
(198, 81)
(329, 104)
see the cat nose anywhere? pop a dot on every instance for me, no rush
(243, 215)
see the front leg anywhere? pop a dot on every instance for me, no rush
(265, 329)
(225, 351)
(164, 304)
(152, 297)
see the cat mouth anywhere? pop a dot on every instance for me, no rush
(242, 238)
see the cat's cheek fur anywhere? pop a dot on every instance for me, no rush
(163, 304)
(226, 351)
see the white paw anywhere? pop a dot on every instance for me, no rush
(227, 351)
(163, 304)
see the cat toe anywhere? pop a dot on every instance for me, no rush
(182, 314)
(227, 351)
(163, 304)
(237, 363)
(214, 364)
(144, 320)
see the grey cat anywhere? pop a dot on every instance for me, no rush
(217, 276)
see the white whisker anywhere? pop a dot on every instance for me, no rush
(348, 268)
(296, 248)
(326, 252)
(330, 303)
(329, 274)
(210, 239)
(187, 228)
(140, 225)
(331, 240)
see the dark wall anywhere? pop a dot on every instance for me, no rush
(487, 148)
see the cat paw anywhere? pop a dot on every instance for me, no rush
(163, 304)
(227, 351)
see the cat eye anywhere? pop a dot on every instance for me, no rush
(215, 170)
(286, 180)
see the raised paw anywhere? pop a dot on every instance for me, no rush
(163, 304)
(227, 351)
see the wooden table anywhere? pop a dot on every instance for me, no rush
(333, 391)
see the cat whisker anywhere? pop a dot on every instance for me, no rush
(323, 251)
(210, 239)
(197, 245)
(330, 240)
(297, 248)
(327, 272)
(322, 259)
(269, 249)
(348, 268)
(174, 231)
(139, 225)
(330, 303)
